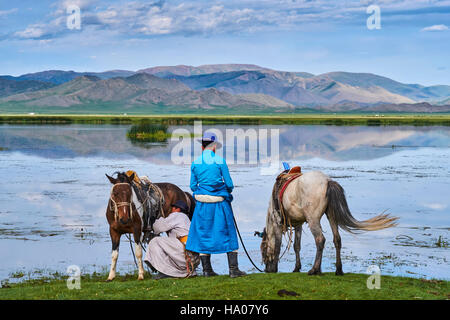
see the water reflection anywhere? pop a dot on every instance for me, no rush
(338, 143)
(146, 134)
(53, 205)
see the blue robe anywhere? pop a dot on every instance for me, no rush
(212, 227)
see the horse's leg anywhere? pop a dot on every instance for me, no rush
(297, 246)
(115, 239)
(138, 249)
(337, 245)
(316, 230)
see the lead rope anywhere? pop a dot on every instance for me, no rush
(285, 217)
(242, 242)
(132, 251)
(284, 229)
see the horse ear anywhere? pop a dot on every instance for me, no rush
(111, 179)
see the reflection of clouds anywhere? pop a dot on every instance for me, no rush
(326, 142)
(353, 140)
(65, 213)
(435, 206)
(32, 197)
(65, 194)
(343, 143)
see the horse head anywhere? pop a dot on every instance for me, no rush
(267, 254)
(120, 201)
(270, 243)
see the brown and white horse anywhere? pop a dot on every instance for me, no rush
(123, 217)
(307, 199)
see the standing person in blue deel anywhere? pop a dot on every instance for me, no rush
(212, 229)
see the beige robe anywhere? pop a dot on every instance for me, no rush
(166, 254)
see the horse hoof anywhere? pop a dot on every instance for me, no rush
(339, 273)
(108, 280)
(296, 270)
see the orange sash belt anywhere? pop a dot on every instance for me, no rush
(183, 239)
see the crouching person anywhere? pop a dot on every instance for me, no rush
(168, 254)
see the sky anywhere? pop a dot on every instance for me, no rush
(410, 45)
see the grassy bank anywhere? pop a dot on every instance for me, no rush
(179, 119)
(252, 287)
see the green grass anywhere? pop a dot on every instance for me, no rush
(182, 119)
(146, 131)
(250, 287)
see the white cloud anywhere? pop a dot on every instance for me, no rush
(435, 206)
(143, 18)
(436, 27)
(157, 25)
(4, 13)
(42, 30)
(31, 32)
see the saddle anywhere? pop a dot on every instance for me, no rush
(281, 183)
(150, 197)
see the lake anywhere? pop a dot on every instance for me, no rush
(54, 193)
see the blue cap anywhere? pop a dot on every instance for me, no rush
(210, 137)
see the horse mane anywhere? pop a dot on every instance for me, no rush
(121, 176)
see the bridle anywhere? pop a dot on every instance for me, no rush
(117, 205)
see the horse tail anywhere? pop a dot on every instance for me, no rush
(338, 211)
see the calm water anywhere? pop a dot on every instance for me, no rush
(54, 192)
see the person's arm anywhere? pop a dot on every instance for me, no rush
(226, 176)
(162, 225)
(194, 181)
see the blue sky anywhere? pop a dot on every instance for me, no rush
(320, 36)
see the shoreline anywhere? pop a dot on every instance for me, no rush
(254, 286)
(182, 119)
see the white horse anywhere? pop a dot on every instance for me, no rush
(307, 199)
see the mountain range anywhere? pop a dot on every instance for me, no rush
(226, 87)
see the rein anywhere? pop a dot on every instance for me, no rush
(286, 224)
(242, 242)
(117, 205)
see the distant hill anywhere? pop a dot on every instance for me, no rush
(227, 86)
(9, 87)
(422, 107)
(292, 88)
(60, 76)
(183, 70)
(444, 102)
(414, 92)
(137, 90)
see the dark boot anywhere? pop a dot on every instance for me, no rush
(150, 266)
(160, 276)
(206, 265)
(233, 265)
